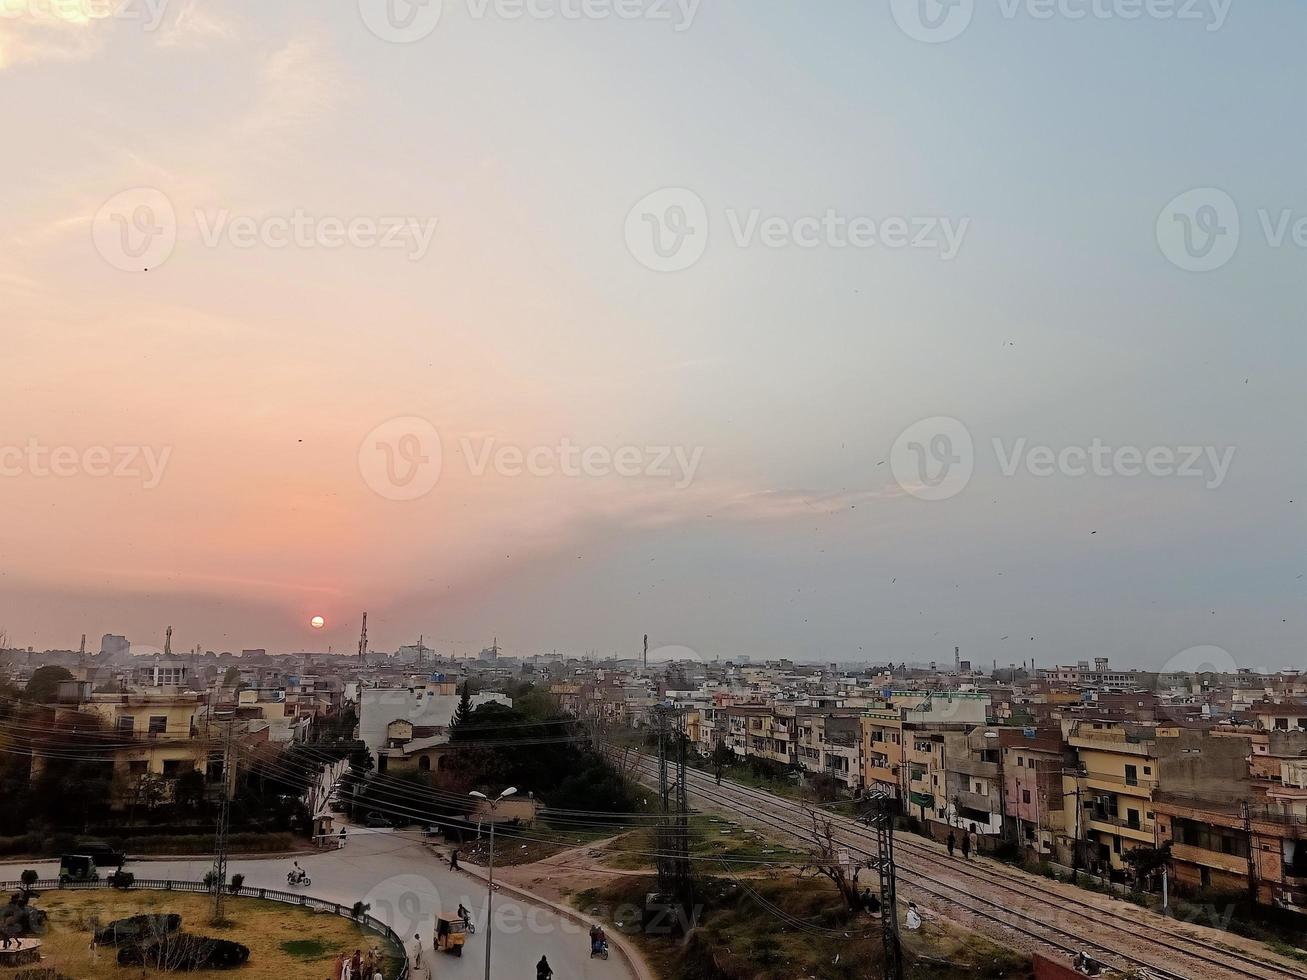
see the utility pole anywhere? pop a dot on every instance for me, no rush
(220, 838)
(1252, 853)
(881, 819)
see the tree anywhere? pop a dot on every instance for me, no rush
(830, 860)
(722, 756)
(463, 713)
(231, 678)
(1147, 861)
(44, 685)
(29, 878)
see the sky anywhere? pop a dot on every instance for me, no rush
(856, 331)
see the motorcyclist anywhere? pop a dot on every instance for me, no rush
(464, 914)
(543, 970)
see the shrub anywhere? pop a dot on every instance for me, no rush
(237, 882)
(185, 952)
(29, 878)
(138, 928)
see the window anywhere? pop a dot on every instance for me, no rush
(1148, 770)
(1021, 762)
(172, 768)
(424, 763)
(1282, 724)
(1025, 796)
(158, 724)
(1132, 819)
(1131, 776)
(126, 723)
(137, 767)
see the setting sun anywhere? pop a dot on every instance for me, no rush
(317, 622)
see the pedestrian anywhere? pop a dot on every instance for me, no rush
(95, 950)
(342, 836)
(952, 843)
(356, 965)
(453, 860)
(966, 845)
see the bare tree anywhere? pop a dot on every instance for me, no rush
(831, 860)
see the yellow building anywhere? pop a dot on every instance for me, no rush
(163, 734)
(882, 750)
(1112, 798)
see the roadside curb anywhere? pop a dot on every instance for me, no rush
(633, 960)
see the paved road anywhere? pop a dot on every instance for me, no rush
(406, 884)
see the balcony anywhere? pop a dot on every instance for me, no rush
(1142, 832)
(974, 767)
(1189, 854)
(976, 801)
(881, 774)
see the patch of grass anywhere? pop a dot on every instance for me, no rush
(782, 927)
(1284, 949)
(275, 933)
(738, 848)
(305, 949)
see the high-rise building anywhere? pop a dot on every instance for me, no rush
(112, 645)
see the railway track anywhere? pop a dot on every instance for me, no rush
(1165, 956)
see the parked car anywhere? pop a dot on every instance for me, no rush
(376, 820)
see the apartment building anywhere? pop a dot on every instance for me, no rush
(1113, 810)
(1034, 761)
(1225, 846)
(156, 733)
(881, 732)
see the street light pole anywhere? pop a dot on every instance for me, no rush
(490, 879)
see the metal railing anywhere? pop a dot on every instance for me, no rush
(199, 887)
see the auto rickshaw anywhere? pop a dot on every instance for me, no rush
(78, 867)
(451, 933)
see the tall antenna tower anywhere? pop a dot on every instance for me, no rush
(957, 661)
(646, 651)
(167, 642)
(363, 640)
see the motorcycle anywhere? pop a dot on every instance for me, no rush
(300, 877)
(599, 949)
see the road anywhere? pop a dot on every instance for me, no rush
(405, 883)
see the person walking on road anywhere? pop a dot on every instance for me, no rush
(453, 860)
(966, 845)
(952, 843)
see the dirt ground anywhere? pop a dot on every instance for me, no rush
(262, 926)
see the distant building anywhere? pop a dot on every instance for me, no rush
(113, 645)
(164, 672)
